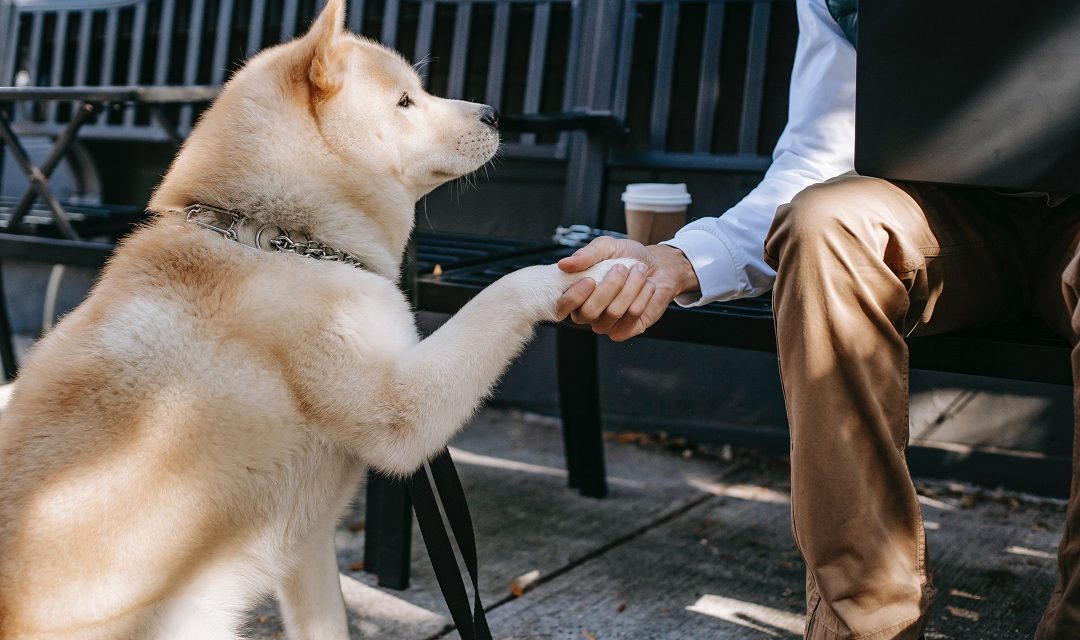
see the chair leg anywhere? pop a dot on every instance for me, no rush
(389, 518)
(388, 527)
(579, 402)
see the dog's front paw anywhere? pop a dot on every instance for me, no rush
(597, 271)
(539, 288)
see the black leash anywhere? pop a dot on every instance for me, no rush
(471, 621)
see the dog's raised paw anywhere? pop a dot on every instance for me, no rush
(601, 269)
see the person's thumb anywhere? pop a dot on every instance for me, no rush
(598, 250)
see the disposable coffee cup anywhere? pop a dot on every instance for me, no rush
(655, 211)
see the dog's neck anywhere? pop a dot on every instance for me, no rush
(370, 221)
(341, 227)
(262, 155)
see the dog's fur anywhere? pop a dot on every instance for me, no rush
(186, 441)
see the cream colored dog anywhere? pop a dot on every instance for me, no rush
(185, 441)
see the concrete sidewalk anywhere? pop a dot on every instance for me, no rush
(689, 545)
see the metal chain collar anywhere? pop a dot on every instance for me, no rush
(279, 239)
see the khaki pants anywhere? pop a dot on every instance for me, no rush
(861, 263)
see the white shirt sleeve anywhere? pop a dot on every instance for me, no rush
(818, 143)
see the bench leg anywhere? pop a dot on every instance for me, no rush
(388, 531)
(579, 402)
(7, 339)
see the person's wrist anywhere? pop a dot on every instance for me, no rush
(679, 267)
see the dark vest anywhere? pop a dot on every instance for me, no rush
(846, 14)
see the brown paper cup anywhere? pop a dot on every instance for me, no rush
(649, 227)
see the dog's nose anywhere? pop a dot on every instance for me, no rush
(489, 116)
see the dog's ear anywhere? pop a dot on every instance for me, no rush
(321, 39)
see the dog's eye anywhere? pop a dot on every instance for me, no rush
(405, 101)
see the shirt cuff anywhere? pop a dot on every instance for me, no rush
(715, 267)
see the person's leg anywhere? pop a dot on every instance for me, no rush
(861, 263)
(1057, 290)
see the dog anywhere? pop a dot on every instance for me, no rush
(184, 442)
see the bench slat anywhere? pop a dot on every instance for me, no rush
(500, 32)
(37, 26)
(221, 42)
(86, 18)
(9, 20)
(665, 67)
(626, 54)
(165, 31)
(709, 79)
(255, 24)
(138, 42)
(108, 56)
(355, 16)
(390, 22)
(534, 76)
(425, 34)
(51, 250)
(459, 52)
(757, 50)
(288, 21)
(37, 23)
(60, 39)
(191, 60)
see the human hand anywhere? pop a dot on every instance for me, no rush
(628, 300)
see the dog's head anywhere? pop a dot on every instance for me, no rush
(331, 133)
(373, 110)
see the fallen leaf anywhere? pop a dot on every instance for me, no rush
(589, 635)
(620, 608)
(631, 437)
(356, 527)
(964, 613)
(964, 594)
(357, 566)
(524, 582)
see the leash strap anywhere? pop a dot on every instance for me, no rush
(470, 621)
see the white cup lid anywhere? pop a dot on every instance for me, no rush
(657, 193)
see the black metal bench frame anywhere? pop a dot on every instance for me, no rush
(1019, 351)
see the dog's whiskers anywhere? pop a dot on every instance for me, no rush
(427, 218)
(423, 62)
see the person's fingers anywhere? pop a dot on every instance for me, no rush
(575, 296)
(626, 296)
(640, 316)
(637, 307)
(627, 327)
(605, 292)
(599, 249)
(655, 308)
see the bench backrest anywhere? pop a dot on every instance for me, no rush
(703, 84)
(518, 55)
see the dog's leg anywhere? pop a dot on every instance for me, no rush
(310, 596)
(439, 383)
